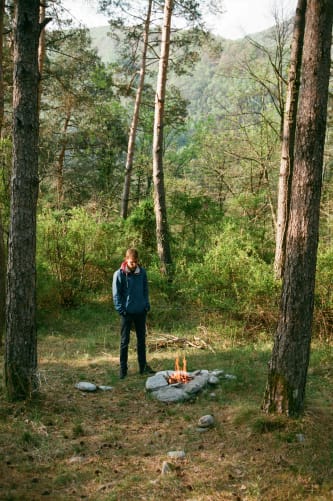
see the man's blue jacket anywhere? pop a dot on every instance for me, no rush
(130, 290)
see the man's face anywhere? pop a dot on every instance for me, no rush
(131, 263)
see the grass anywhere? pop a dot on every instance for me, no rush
(64, 444)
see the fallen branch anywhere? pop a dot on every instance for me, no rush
(166, 341)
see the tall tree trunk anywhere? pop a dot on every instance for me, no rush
(41, 52)
(2, 240)
(2, 283)
(2, 91)
(21, 339)
(162, 232)
(61, 157)
(285, 390)
(288, 139)
(135, 118)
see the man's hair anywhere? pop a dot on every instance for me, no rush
(132, 253)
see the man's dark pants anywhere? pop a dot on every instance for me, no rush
(139, 321)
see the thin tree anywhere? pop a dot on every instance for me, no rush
(2, 282)
(162, 231)
(288, 138)
(285, 390)
(135, 118)
(2, 240)
(43, 20)
(21, 339)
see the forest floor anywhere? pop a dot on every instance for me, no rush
(65, 444)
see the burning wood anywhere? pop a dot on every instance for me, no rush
(180, 375)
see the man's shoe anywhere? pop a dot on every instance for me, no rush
(147, 370)
(122, 374)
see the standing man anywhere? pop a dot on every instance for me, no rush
(131, 300)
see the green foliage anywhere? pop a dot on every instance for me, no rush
(83, 134)
(140, 230)
(194, 218)
(325, 277)
(75, 249)
(233, 278)
(324, 292)
(5, 170)
(222, 148)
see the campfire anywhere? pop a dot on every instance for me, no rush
(180, 375)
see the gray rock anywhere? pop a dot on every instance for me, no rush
(217, 372)
(104, 388)
(213, 379)
(161, 390)
(159, 380)
(200, 371)
(171, 393)
(206, 421)
(202, 430)
(197, 384)
(86, 386)
(177, 454)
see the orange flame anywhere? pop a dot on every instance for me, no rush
(179, 375)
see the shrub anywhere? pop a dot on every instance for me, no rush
(233, 278)
(76, 249)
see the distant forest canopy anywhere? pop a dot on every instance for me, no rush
(221, 64)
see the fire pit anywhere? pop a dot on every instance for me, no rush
(180, 385)
(180, 375)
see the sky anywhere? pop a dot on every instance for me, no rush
(241, 17)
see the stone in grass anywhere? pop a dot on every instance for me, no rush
(206, 421)
(86, 386)
(159, 380)
(213, 380)
(176, 454)
(218, 372)
(171, 394)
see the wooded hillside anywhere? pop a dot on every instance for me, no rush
(179, 184)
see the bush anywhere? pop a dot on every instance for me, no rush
(77, 250)
(233, 278)
(324, 293)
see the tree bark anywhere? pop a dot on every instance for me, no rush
(288, 139)
(285, 390)
(21, 338)
(61, 157)
(135, 118)
(2, 91)
(2, 240)
(2, 283)
(41, 53)
(162, 232)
